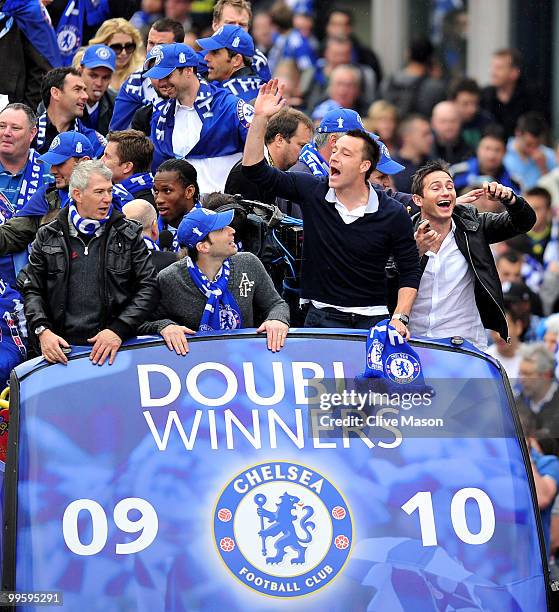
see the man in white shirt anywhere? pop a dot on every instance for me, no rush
(460, 292)
(202, 123)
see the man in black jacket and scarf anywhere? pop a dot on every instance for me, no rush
(90, 278)
(460, 292)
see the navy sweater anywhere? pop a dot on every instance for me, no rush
(344, 264)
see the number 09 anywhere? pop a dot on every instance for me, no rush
(147, 526)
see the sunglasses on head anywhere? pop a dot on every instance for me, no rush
(118, 48)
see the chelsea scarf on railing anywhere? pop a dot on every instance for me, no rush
(138, 182)
(221, 310)
(69, 33)
(33, 178)
(391, 362)
(85, 226)
(225, 121)
(313, 160)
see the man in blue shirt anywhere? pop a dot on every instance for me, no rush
(545, 470)
(527, 158)
(228, 54)
(138, 91)
(201, 122)
(21, 174)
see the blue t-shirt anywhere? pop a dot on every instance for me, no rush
(525, 170)
(547, 465)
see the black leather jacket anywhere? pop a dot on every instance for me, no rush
(475, 231)
(126, 273)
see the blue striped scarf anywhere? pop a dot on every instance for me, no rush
(221, 310)
(314, 161)
(86, 226)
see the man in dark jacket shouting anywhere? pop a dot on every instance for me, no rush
(90, 278)
(460, 292)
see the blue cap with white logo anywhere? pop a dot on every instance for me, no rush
(386, 164)
(231, 37)
(99, 56)
(67, 145)
(163, 59)
(340, 120)
(199, 222)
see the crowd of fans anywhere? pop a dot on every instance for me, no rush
(127, 124)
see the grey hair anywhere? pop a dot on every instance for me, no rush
(552, 324)
(353, 69)
(539, 354)
(141, 211)
(320, 138)
(84, 170)
(29, 112)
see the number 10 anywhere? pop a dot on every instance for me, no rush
(423, 502)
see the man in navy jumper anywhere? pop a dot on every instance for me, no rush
(351, 228)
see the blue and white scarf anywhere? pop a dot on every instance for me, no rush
(69, 33)
(42, 122)
(138, 182)
(314, 161)
(551, 252)
(221, 310)
(32, 179)
(151, 245)
(84, 226)
(121, 196)
(391, 361)
(164, 128)
(225, 122)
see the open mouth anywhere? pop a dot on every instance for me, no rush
(444, 204)
(334, 172)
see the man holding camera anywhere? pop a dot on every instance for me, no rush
(460, 291)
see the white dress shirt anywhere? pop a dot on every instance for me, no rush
(445, 305)
(349, 216)
(212, 172)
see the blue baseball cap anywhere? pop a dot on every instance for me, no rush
(67, 145)
(386, 164)
(163, 59)
(199, 222)
(340, 120)
(231, 37)
(99, 56)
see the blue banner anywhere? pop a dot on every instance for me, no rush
(234, 478)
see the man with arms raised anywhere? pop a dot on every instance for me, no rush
(460, 292)
(351, 228)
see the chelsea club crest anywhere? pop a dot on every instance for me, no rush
(282, 529)
(402, 368)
